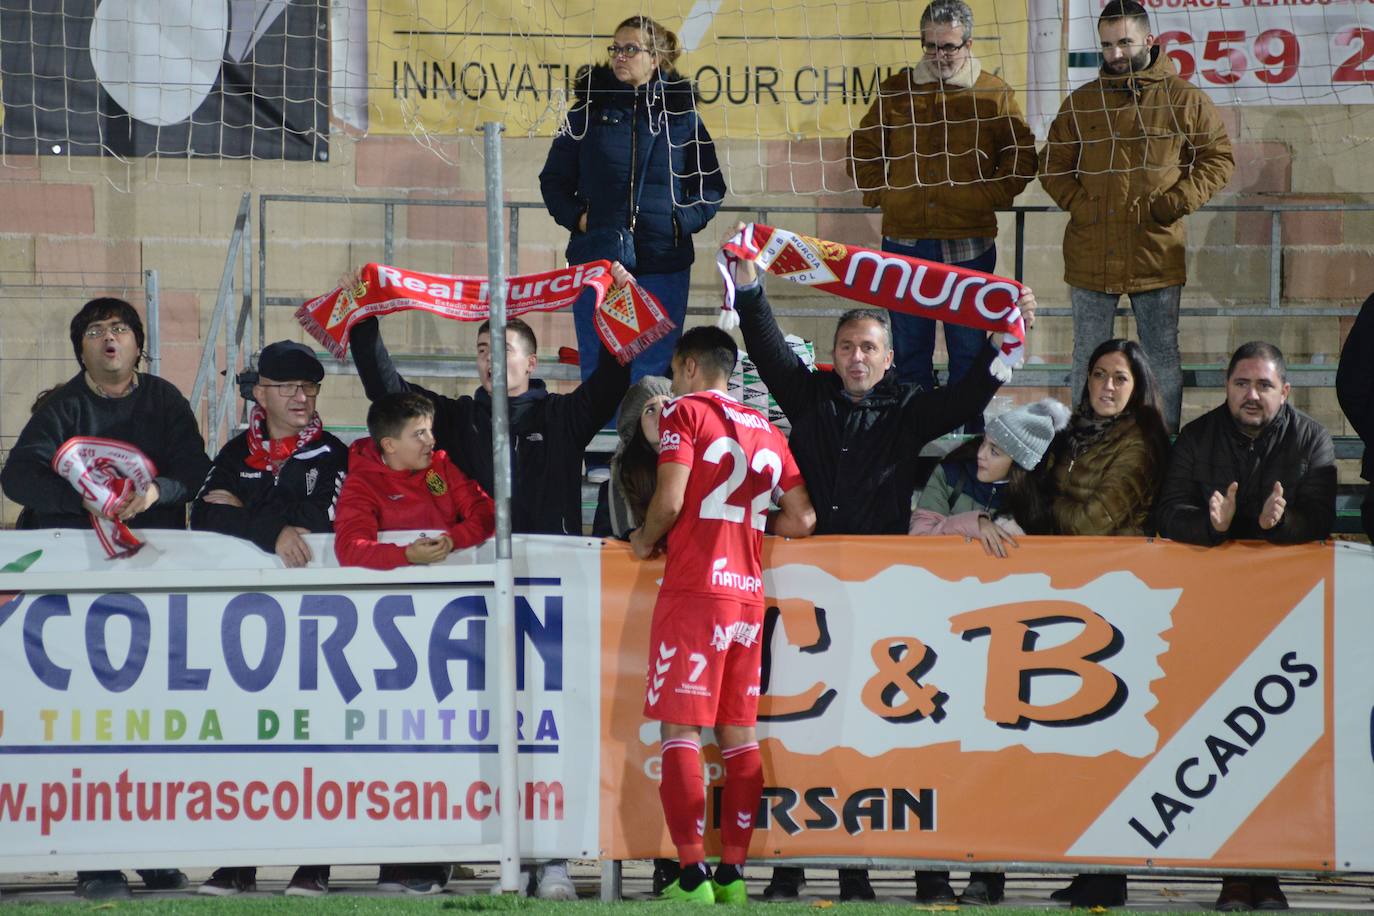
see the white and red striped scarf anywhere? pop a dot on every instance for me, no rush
(885, 279)
(628, 319)
(107, 473)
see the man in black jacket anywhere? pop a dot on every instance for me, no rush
(549, 432)
(856, 434)
(277, 480)
(1355, 389)
(1254, 468)
(110, 399)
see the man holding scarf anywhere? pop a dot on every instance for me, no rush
(277, 480)
(941, 149)
(109, 399)
(856, 434)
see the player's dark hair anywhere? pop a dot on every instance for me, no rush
(522, 331)
(388, 415)
(712, 348)
(105, 308)
(1259, 349)
(1124, 9)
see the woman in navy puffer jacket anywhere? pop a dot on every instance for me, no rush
(635, 117)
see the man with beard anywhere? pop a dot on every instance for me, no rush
(941, 149)
(1254, 468)
(1128, 156)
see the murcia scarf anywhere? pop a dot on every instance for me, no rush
(271, 455)
(107, 473)
(882, 278)
(629, 319)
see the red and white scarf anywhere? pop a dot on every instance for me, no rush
(629, 319)
(885, 279)
(271, 455)
(107, 473)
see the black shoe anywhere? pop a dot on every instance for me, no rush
(102, 885)
(1237, 896)
(226, 882)
(854, 885)
(163, 879)
(933, 887)
(787, 884)
(1068, 890)
(666, 871)
(984, 888)
(1099, 890)
(1267, 895)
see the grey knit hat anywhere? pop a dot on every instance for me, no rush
(1026, 432)
(650, 386)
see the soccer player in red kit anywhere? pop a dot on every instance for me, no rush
(719, 465)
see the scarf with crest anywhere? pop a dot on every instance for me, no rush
(271, 455)
(107, 473)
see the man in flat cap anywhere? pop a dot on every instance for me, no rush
(277, 480)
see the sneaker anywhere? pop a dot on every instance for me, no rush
(309, 881)
(554, 883)
(226, 882)
(733, 893)
(933, 887)
(102, 885)
(164, 879)
(786, 884)
(854, 885)
(419, 880)
(984, 889)
(702, 893)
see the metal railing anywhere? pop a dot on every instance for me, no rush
(222, 390)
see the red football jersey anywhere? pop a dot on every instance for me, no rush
(737, 459)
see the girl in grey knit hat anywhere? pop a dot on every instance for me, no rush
(996, 488)
(634, 467)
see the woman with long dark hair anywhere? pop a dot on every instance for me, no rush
(1109, 464)
(634, 467)
(633, 176)
(1107, 469)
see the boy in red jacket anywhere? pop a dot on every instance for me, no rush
(398, 481)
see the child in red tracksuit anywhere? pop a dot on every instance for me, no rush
(397, 481)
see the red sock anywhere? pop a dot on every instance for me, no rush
(683, 793)
(740, 802)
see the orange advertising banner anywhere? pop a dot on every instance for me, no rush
(1104, 700)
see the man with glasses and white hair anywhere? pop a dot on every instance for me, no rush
(279, 479)
(109, 399)
(941, 149)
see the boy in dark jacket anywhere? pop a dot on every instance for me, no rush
(278, 480)
(548, 432)
(398, 481)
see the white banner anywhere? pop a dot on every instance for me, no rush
(309, 724)
(1250, 52)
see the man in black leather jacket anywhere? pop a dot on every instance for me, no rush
(1355, 388)
(1254, 468)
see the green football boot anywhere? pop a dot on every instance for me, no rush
(702, 893)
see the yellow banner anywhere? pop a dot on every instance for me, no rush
(765, 71)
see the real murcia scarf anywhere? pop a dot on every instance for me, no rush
(271, 455)
(107, 473)
(628, 319)
(884, 279)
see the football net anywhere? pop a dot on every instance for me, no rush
(781, 83)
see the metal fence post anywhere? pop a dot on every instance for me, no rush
(505, 573)
(154, 309)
